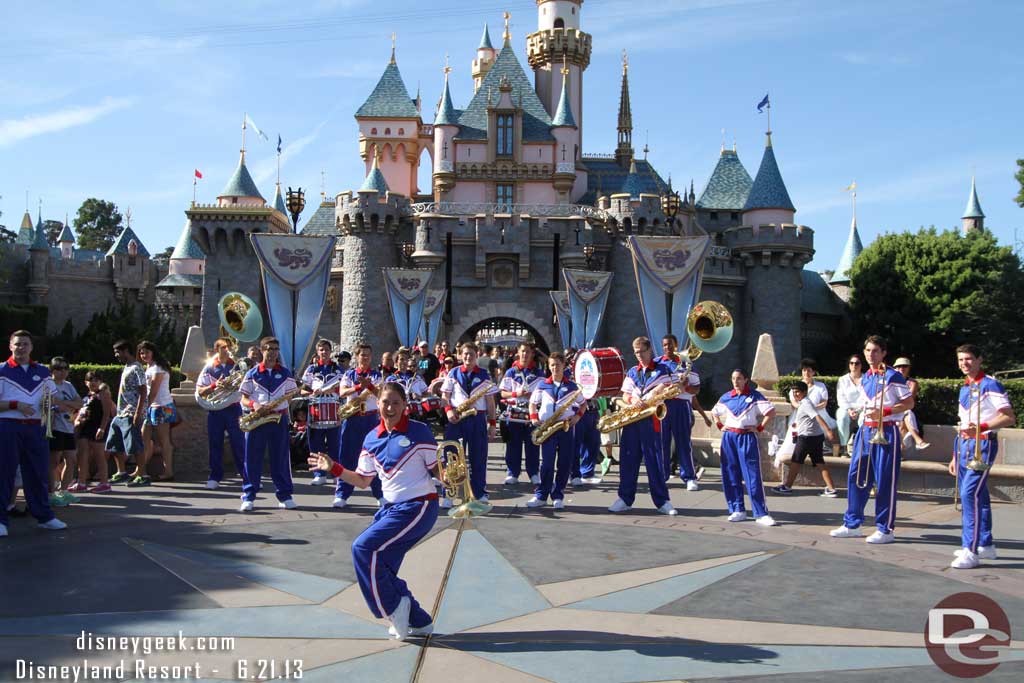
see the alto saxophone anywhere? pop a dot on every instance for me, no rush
(355, 405)
(654, 406)
(554, 424)
(466, 409)
(251, 421)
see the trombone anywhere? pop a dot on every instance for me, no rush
(877, 439)
(977, 463)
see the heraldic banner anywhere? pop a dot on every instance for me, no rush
(668, 277)
(588, 294)
(296, 270)
(407, 291)
(433, 309)
(564, 316)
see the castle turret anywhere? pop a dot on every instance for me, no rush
(624, 152)
(180, 293)
(768, 201)
(840, 280)
(566, 132)
(973, 218)
(241, 190)
(66, 241)
(27, 233)
(279, 204)
(722, 201)
(485, 55)
(446, 127)
(39, 262)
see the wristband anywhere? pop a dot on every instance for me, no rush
(760, 428)
(534, 416)
(492, 422)
(337, 470)
(12, 405)
(984, 426)
(450, 412)
(719, 425)
(887, 411)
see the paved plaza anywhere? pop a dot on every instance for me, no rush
(574, 595)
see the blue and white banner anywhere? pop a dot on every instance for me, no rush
(407, 290)
(588, 295)
(433, 309)
(668, 277)
(564, 316)
(296, 270)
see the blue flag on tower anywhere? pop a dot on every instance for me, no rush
(278, 143)
(762, 104)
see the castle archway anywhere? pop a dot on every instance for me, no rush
(506, 324)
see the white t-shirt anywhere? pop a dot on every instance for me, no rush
(806, 419)
(163, 394)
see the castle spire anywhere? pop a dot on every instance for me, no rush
(394, 42)
(563, 115)
(446, 110)
(974, 217)
(851, 251)
(375, 181)
(485, 40)
(624, 152)
(508, 33)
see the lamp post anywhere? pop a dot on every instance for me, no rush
(407, 251)
(670, 203)
(296, 200)
(588, 253)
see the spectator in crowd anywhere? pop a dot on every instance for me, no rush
(811, 430)
(63, 462)
(91, 431)
(124, 437)
(848, 397)
(254, 356)
(159, 417)
(909, 428)
(429, 364)
(444, 352)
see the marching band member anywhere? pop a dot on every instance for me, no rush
(322, 372)
(387, 364)
(741, 414)
(986, 393)
(876, 464)
(263, 384)
(405, 374)
(23, 385)
(545, 400)
(403, 454)
(225, 419)
(475, 430)
(354, 382)
(588, 447)
(639, 440)
(517, 387)
(679, 421)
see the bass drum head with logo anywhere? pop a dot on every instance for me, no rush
(599, 372)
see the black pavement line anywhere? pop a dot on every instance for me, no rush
(437, 601)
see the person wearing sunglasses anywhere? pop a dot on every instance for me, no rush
(848, 396)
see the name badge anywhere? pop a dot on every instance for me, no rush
(749, 399)
(35, 378)
(277, 376)
(404, 442)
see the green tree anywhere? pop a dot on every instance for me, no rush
(125, 321)
(52, 230)
(930, 291)
(164, 255)
(1020, 179)
(97, 223)
(7, 236)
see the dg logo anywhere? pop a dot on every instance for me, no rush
(967, 635)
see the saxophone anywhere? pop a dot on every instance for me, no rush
(251, 421)
(627, 414)
(554, 424)
(355, 405)
(466, 409)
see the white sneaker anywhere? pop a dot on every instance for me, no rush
(766, 520)
(559, 504)
(212, 484)
(878, 538)
(692, 485)
(667, 509)
(400, 618)
(288, 504)
(413, 631)
(965, 560)
(592, 480)
(3, 530)
(535, 502)
(339, 502)
(318, 480)
(535, 479)
(511, 481)
(845, 532)
(53, 525)
(738, 516)
(247, 506)
(985, 552)
(923, 445)
(619, 506)
(380, 502)
(828, 493)
(576, 481)
(484, 498)
(445, 503)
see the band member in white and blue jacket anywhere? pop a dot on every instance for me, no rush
(517, 387)
(559, 451)
(402, 453)
(23, 386)
(475, 430)
(742, 414)
(876, 465)
(322, 378)
(268, 382)
(679, 420)
(363, 378)
(225, 419)
(984, 392)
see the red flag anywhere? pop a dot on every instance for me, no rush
(198, 174)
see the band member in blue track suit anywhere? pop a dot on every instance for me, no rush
(679, 421)
(517, 387)
(475, 430)
(405, 374)
(23, 386)
(588, 447)
(558, 452)
(224, 419)
(742, 414)
(362, 380)
(263, 385)
(984, 392)
(876, 465)
(322, 378)
(641, 440)
(402, 453)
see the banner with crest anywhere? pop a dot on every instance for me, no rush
(564, 315)
(296, 270)
(407, 291)
(668, 277)
(588, 295)
(433, 309)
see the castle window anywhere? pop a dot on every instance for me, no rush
(387, 131)
(713, 215)
(735, 215)
(401, 131)
(373, 131)
(505, 135)
(504, 196)
(559, 23)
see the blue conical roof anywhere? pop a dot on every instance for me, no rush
(485, 41)
(66, 235)
(241, 183)
(768, 190)
(446, 114)
(633, 185)
(120, 245)
(279, 201)
(973, 209)
(729, 185)
(375, 180)
(186, 248)
(27, 233)
(39, 240)
(563, 115)
(851, 251)
(390, 98)
(473, 120)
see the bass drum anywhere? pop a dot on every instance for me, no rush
(599, 372)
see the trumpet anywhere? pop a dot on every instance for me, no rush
(251, 421)
(554, 424)
(977, 463)
(46, 408)
(654, 406)
(455, 473)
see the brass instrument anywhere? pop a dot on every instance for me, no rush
(977, 463)
(240, 317)
(709, 327)
(355, 405)
(46, 408)
(251, 421)
(226, 391)
(628, 413)
(466, 409)
(879, 438)
(554, 424)
(455, 474)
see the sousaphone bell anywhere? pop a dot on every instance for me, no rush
(709, 327)
(240, 317)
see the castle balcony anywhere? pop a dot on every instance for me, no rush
(792, 244)
(504, 170)
(551, 45)
(523, 211)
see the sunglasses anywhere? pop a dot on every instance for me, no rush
(854, 362)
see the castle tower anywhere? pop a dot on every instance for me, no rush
(180, 293)
(559, 38)
(66, 240)
(566, 132)
(241, 191)
(973, 218)
(768, 201)
(130, 262)
(840, 280)
(39, 262)
(722, 201)
(624, 152)
(279, 204)
(27, 233)
(446, 127)
(485, 55)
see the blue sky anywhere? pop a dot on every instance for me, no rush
(122, 100)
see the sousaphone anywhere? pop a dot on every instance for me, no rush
(240, 317)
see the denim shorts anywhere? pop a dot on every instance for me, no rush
(124, 436)
(158, 415)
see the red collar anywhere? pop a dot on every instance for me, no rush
(402, 426)
(263, 367)
(367, 371)
(745, 392)
(216, 361)
(677, 358)
(551, 379)
(872, 371)
(652, 366)
(387, 371)
(519, 366)
(13, 363)
(968, 381)
(465, 368)
(321, 362)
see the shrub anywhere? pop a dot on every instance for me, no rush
(111, 375)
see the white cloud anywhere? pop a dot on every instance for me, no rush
(15, 130)
(265, 170)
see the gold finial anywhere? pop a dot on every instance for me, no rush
(447, 68)
(508, 34)
(394, 42)
(625, 62)
(565, 64)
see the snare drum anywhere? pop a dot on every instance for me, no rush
(599, 372)
(323, 412)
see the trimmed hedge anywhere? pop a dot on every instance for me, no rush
(111, 375)
(936, 399)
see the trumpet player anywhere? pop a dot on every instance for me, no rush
(884, 398)
(558, 451)
(642, 440)
(474, 430)
(263, 385)
(517, 388)
(225, 419)
(983, 408)
(362, 378)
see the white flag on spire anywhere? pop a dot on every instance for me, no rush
(252, 124)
